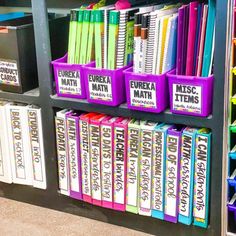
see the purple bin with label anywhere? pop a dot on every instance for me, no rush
(146, 92)
(190, 95)
(69, 79)
(105, 86)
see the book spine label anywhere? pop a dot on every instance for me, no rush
(37, 150)
(185, 175)
(61, 154)
(171, 185)
(95, 161)
(85, 157)
(107, 163)
(72, 137)
(133, 166)
(158, 171)
(201, 178)
(119, 165)
(146, 169)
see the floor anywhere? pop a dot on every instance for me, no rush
(20, 219)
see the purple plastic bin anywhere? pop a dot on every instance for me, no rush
(190, 95)
(232, 206)
(146, 92)
(105, 86)
(69, 79)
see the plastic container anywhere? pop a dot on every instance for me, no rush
(146, 92)
(190, 95)
(69, 79)
(105, 86)
(232, 206)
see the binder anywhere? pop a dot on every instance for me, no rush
(187, 176)
(5, 160)
(84, 120)
(19, 143)
(133, 156)
(158, 170)
(202, 178)
(145, 182)
(95, 157)
(62, 152)
(120, 163)
(172, 173)
(74, 160)
(37, 146)
(107, 160)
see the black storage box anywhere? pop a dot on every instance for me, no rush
(18, 67)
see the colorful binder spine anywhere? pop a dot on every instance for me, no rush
(133, 155)
(202, 178)
(158, 170)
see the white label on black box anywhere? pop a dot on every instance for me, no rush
(100, 87)
(200, 189)
(69, 82)
(107, 163)
(143, 94)
(35, 145)
(119, 166)
(18, 144)
(9, 72)
(132, 167)
(185, 175)
(171, 175)
(187, 98)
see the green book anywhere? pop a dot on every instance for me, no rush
(99, 34)
(112, 39)
(78, 35)
(72, 36)
(90, 48)
(84, 36)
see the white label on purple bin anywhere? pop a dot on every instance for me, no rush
(143, 94)
(187, 98)
(69, 82)
(9, 72)
(200, 185)
(100, 87)
(171, 175)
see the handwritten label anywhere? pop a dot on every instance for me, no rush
(200, 177)
(35, 145)
(85, 161)
(187, 98)
(61, 154)
(119, 166)
(146, 169)
(9, 72)
(133, 166)
(171, 175)
(158, 173)
(107, 162)
(95, 161)
(185, 175)
(69, 82)
(72, 134)
(100, 87)
(143, 94)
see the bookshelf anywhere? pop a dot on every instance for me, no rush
(44, 97)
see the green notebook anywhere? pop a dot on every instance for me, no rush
(90, 49)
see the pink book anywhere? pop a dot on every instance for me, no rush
(107, 160)
(202, 41)
(95, 157)
(120, 163)
(193, 11)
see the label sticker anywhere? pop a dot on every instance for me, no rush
(100, 87)
(69, 82)
(143, 94)
(9, 72)
(187, 98)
